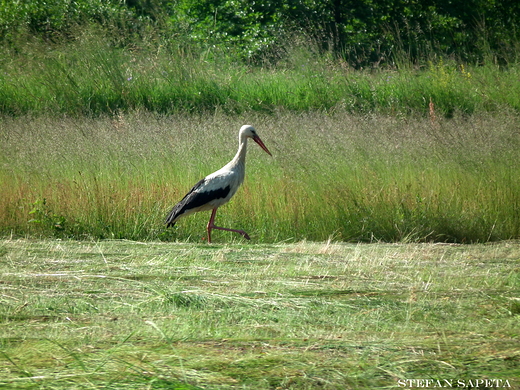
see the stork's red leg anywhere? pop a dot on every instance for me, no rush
(211, 226)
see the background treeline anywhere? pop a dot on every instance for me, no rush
(362, 32)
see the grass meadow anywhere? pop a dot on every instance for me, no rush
(332, 176)
(100, 139)
(385, 227)
(117, 314)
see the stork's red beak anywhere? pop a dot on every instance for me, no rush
(257, 139)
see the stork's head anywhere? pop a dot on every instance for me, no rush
(249, 131)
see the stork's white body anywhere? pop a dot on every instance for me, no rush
(219, 187)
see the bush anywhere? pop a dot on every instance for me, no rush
(57, 19)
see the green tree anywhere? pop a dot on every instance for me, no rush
(362, 31)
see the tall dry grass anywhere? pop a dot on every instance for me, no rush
(332, 175)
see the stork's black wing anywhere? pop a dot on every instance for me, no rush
(195, 198)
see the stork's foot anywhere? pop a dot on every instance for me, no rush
(241, 232)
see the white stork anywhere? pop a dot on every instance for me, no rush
(217, 189)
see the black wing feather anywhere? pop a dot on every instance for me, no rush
(194, 199)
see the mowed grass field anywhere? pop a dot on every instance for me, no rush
(118, 314)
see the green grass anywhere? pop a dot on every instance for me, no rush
(90, 76)
(133, 315)
(374, 178)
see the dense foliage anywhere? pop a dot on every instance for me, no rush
(363, 32)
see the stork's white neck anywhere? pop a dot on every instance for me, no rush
(240, 157)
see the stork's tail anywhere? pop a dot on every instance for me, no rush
(171, 219)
